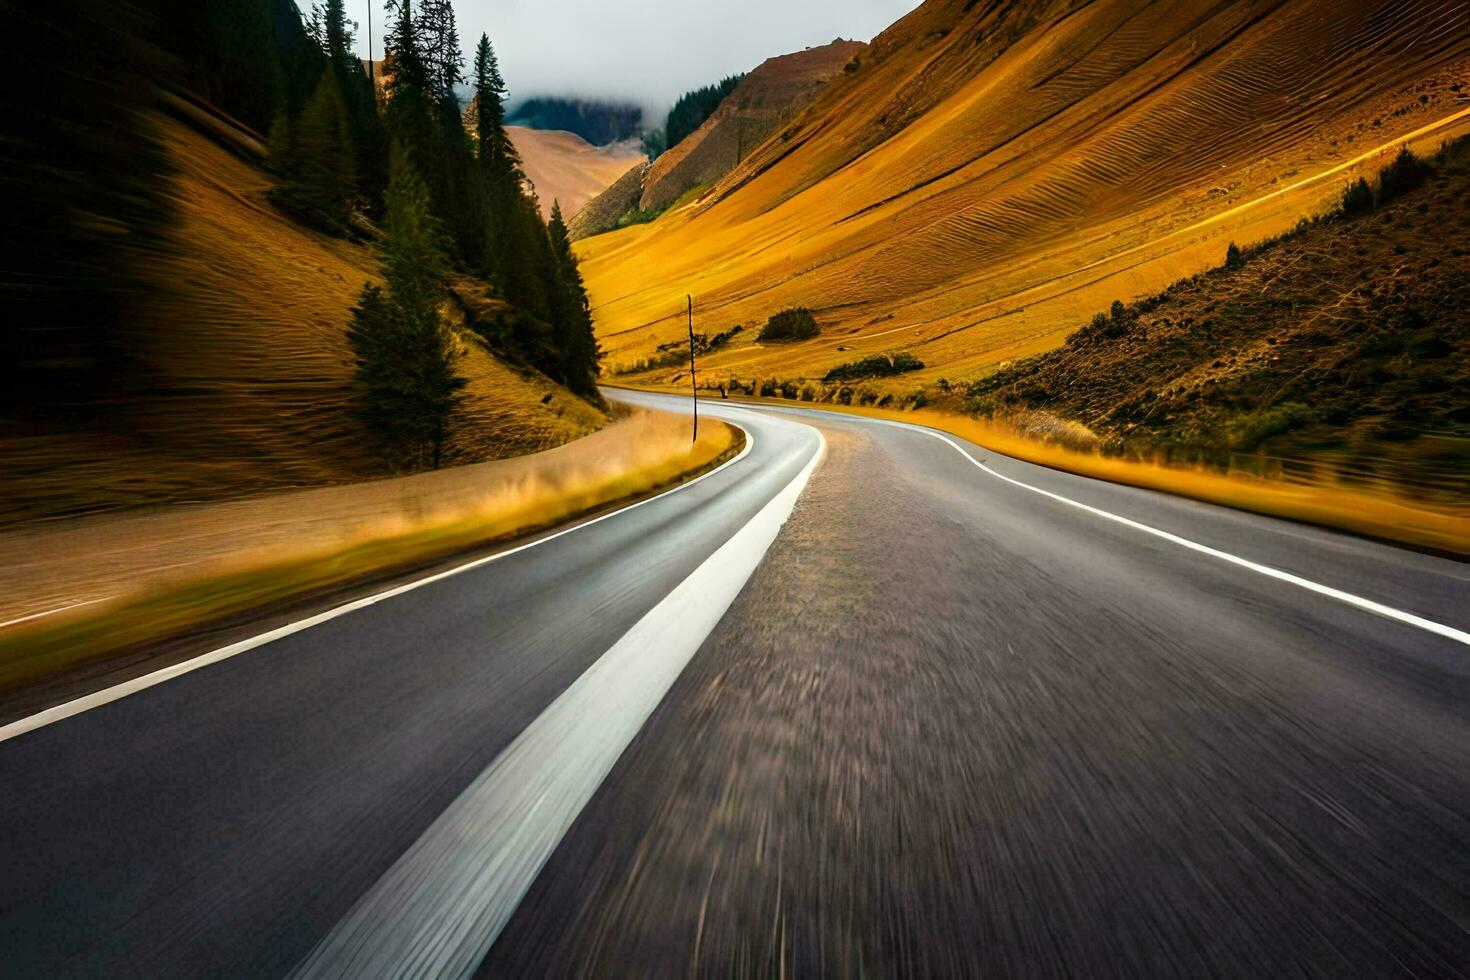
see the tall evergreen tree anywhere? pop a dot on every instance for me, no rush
(492, 143)
(404, 47)
(319, 182)
(359, 95)
(442, 55)
(499, 165)
(576, 341)
(424, 116)
(337, 34)
(407, 387)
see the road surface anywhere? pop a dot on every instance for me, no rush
(867, 700)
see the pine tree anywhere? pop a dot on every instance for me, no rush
(336, 33)
(404, 47)
(319, 179)
(575, 338)
(442, 55)
(407, 387)
(335, 36)
(492, 144)
(499, 166)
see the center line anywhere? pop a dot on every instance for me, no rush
(439, 908)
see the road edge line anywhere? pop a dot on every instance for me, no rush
(96, 699)
(1348, 598)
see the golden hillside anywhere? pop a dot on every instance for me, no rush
(564, 167)
(767, 98)
(248, 368)
(986, 176)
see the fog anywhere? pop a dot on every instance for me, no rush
(646, 51)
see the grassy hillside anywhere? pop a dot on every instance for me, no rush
(564, 167)
(604, 211)
(987, 175)
(766, 99)
(247, 366)
(763, 101)
(1346, 343)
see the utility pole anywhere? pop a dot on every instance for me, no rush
(372, 75)
(693, 382)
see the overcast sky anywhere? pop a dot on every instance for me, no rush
(646, 51)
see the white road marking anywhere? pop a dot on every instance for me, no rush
(51, 612)
(1367, 605)
(98, 698)
(437, 911)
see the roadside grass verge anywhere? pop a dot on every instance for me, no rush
(34, 652)
(1311, 499)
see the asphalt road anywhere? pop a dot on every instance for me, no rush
(951, 719)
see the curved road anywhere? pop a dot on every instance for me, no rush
(866, 700)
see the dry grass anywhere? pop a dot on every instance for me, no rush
(990, 175)
(377, 529)
(767, 98)
(1315, 497)
(564, 167)
(248, 371)
(1344, 346)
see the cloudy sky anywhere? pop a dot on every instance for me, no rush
(648, 51)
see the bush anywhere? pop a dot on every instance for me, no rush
(1252, 430)
(1406, 173)
(1234, 257)
(793, 324)
(788, 389)
(1357, 200)
(882, 366)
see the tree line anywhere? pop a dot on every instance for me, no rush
(454, 199)
(688, 114)
(348, 160)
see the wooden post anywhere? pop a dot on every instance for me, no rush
(372, 74)
(693, 381)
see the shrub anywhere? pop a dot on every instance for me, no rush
(1234, 257)
(1406, 173)
(1252, 430)
(705, 344)
(768, 388)
(788, 389)
(793, 324)
(1357, 199)
(881, 366)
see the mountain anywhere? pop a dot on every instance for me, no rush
(614, 205)
(564, 167)
(763, 101)
(599, 123)
(766, 99)
(986, 176)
